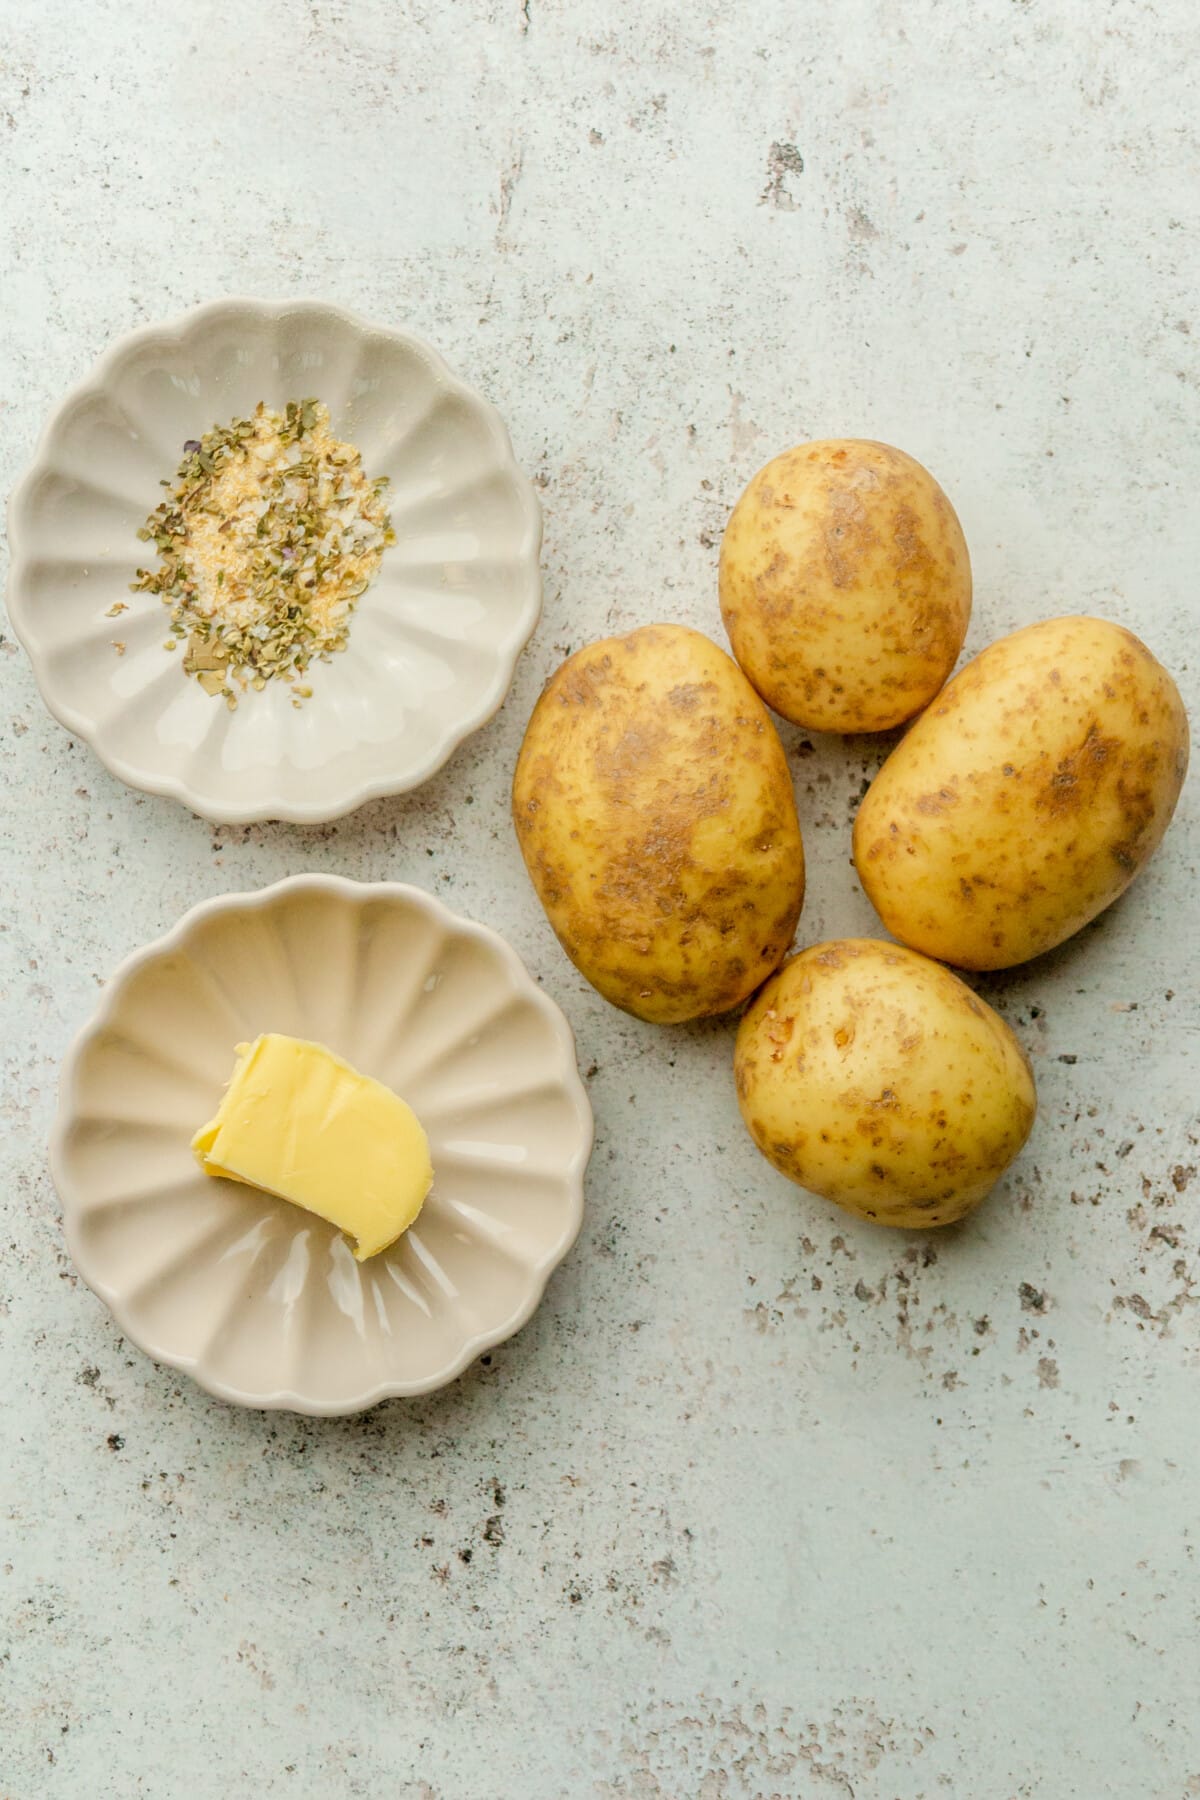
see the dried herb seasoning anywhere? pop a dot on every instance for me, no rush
(266, 539)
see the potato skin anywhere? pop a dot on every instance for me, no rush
(1027, 797)
(876, 1078)
(655, 813)
(845, 585)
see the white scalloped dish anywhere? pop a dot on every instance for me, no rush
(434, 640)
(263, 1304)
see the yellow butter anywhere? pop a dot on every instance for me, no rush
(299, 1122)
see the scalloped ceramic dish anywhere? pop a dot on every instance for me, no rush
(262, 1303)
(433, 642)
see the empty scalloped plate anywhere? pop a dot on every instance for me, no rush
(262, 1303)
(433, 642)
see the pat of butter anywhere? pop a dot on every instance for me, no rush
(301, 1123)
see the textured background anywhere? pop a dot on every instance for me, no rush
(763, 1502)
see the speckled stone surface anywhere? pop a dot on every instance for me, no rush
(763, 1502)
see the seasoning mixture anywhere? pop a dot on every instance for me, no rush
(267, 537)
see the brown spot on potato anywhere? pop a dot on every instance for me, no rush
(688, 695)
(778, 1033)
(1078, 774)
(848, 537)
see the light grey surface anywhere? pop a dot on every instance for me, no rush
(763, 1502)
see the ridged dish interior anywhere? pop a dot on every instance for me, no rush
(434, 639)
(262, 1302)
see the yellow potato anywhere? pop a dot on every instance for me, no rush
(845, 585)
(655, 813)
(1027, 798)
(877, 1079)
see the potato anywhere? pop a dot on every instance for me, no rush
(877, 1079)
(845, 585)
(1027, 797)
(655, 813)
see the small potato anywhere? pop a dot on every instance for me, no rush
(845, 585)
(655, 813)
(1027, 797)
(877, 1079)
